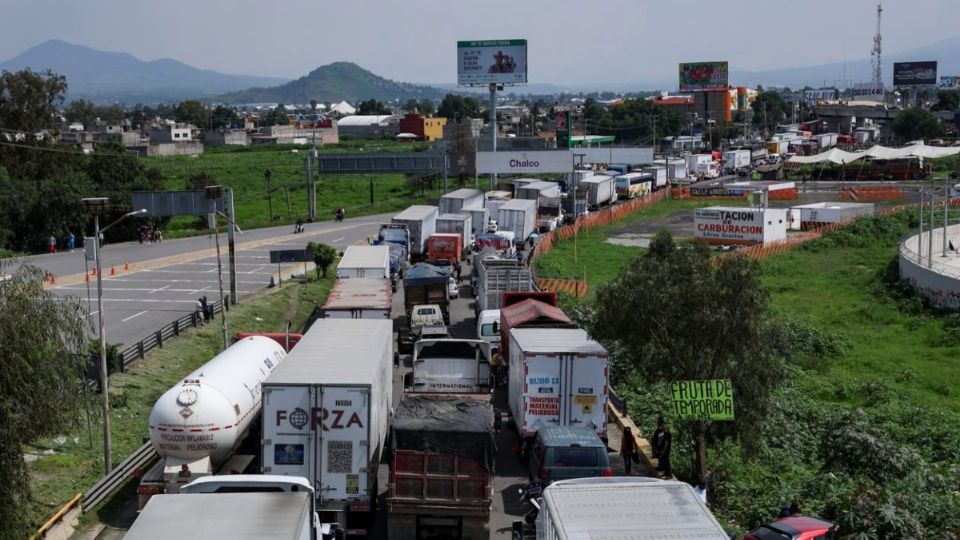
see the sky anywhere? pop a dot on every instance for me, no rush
(570, 42)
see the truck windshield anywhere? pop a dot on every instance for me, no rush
(575, 457)
(393, 235)
(486, 330)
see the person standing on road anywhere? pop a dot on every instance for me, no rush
(627, 450)
(52, 242)
(665, 445)
(71, 241)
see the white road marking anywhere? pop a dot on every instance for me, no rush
(338, 239)
(155, 290)
(134, 316)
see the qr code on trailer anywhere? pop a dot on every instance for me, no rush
(339, 456)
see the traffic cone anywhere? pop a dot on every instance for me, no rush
(113, 270)
(126, 266)
(86, 278)
(93, 271)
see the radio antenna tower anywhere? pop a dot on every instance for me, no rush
(875, 53)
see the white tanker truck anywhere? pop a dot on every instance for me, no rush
(197, 425)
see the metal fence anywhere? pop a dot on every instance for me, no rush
(135, 462)
(159, 336)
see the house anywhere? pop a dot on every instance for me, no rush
(170, 132)
(370, 125)
(426, 129)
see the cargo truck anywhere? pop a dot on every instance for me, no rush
(531, 311)
(364, 262)
(734, 160)
(325, 415)
(551, 214)
(459, 366)
(536, 190)
(441, 468)
(421, 222)
(633, 507)
(601, 190)
(497, 276)
(426, 284)
(558, 377)
(455, 201)
(445, 247)
(359, 299)
(659, 175)
(479, 217)
(457, 224)
(518, 216)
(496, 199)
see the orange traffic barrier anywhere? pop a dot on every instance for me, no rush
(113, 270)
(86, 277)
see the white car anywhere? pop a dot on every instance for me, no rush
(452, 290)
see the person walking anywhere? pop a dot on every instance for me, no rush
(665, 439)
(628, 450)
(52, 242)
(199, 311)
(71, 241)
(206, 307)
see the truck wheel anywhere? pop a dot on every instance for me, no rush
(516, 530)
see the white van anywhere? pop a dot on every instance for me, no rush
(488, 328)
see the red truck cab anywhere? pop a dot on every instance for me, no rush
(795, 528)
(445, 247)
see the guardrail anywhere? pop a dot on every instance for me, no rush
(136, 461)
(156, 338)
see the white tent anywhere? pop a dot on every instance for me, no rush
(835, 155)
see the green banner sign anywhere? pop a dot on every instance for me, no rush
(703, 400)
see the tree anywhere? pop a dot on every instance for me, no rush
(914, 123)
(46, 339)
(372, 107)
(411, 106)
(82, 111)
(947, 100)
(427, 107)
(276, 116)
(678, 315)
(323, 257)
(769, 109)
(29, 100)
(457, 107)
(191, 112)
(224, 118)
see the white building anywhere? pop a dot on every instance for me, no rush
(743, 226)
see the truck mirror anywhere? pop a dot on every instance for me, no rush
(496, 327)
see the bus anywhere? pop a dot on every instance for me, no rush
(632, 185)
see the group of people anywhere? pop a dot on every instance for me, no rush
(661, 444)
(150, 235)
(503, 64)
(341, 213)
(204, 311)
(69, 241)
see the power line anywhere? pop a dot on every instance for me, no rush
(60, 150)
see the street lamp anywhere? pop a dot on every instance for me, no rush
(97, 205)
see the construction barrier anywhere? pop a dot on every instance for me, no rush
(574, 287)
(871, 193)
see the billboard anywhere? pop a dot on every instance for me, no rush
(502, 61)
(704, 76)
(814, 95)
(949, 83)
(728, 225)
(543, 161)
(702, 400)
(867, 91)
(914, 73)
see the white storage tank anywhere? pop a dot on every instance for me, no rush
(207, 414)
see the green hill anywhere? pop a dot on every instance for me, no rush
(339, 81)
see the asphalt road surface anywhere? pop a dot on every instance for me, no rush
(165, 280)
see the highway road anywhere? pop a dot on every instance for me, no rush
(165, 280)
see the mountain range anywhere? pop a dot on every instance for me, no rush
(117, 77)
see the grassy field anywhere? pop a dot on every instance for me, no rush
(601, 261)
(242, 169)
(77, 461)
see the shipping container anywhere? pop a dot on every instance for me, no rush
(558, 377)
(518, 216)
(535, 190)
(633, 507)
(326, 411)
(455, 201)
(479, 217)
(421, 221)
(457, 224)
(364, 262)
(359, 299)
(441, 468)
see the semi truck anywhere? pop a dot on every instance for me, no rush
(359, 299)
(496, 199)
(441, 467)
(551, 213)
(734, 160)
(537, 190)
(558, 377)
(633, 507)
(601, 190)
(460, 366)
(364, 262)
(421, 222)
(532, 310)
(426, 284)
(197, 425)
(496, 276)
(457, 224)
(455, 201)
(325, 415)
(518, 216)
(479, 218)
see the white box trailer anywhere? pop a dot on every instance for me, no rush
(455, 201)
(693, 160)
(808, 216)
(518, 216)
(537, 190)
(558, 377)
(364, 262)
(601, 190)
(359, 299)
(659, 176)
(479, 216)
(496, 199)
(632, 507)
(226, 516)
(736, 159)
(740, 226)
(461, 224)
(326, 413)
(421, 221)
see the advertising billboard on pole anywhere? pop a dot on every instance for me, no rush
(914, 73)
(704, 76)
(499, 61)
(949, 83)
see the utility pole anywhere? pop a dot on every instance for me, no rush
(654, 119)
(311, 187)
(267, 174)
(875, 52)
(493, 128)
